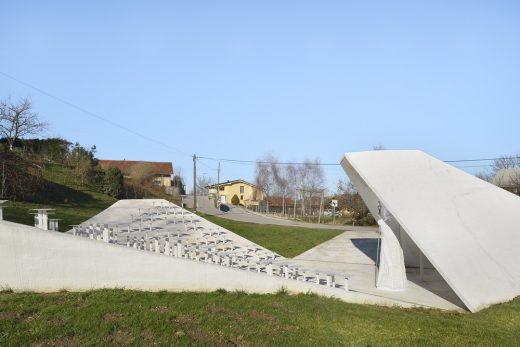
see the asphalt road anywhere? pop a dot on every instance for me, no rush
(243, 215)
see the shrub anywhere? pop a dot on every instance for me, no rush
(113, 182)
(235, 200)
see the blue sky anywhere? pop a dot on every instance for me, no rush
(238, 79)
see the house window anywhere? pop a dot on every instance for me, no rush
(221, 188)
(241, 189)
(241, 197)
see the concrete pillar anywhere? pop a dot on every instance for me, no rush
(317, 278)
(156, 244)
(106, 237)
(330, 281)
(346, 282)
(285, 271)
(167, 248)
(421, 267)
(44, 220)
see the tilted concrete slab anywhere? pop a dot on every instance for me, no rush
(468, 229)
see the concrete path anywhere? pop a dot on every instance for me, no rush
(241, 214)
(355, 253)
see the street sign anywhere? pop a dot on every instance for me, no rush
(334, 203)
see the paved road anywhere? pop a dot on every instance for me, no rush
(242, 215)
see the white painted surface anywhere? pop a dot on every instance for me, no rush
(391, 274)
(46, 261)
(467, 228)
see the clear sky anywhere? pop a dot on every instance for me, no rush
(238, 79)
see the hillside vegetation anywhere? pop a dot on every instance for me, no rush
(74, 203)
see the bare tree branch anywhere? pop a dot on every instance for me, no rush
(17, 120)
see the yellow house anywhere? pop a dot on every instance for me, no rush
(248, 193)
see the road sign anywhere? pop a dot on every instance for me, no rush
(334, 203)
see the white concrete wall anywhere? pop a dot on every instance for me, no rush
(467, 228)
(410, 250)
(46, 261)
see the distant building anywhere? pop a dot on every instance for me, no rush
(509, 179)
(162, 172)
(248, 193)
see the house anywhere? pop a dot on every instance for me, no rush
(508, 179)
(162, 172)
(248, 193)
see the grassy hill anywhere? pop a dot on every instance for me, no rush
(74, 202)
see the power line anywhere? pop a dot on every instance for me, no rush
(92, 114)
(227, 160)
(239, 161)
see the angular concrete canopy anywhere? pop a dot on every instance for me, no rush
(468, 229)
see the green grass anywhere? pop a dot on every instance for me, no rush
(74, 202)
(284, 240)
(118, 317)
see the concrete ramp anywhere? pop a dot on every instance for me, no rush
(467, 229)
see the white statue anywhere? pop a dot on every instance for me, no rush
(392, 273)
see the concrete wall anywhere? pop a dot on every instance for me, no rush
(46, 261)
(467, 228)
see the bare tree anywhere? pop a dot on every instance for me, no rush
(264, 179)
(202, 183)
(502, 163)
(18, 120)
(281, 180)
(505, 162)
(485, 176)
(349, 198)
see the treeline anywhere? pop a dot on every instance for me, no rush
(304, 185)
(26, 163)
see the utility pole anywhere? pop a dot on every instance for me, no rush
(194, 183)
(321, 207)
(218, 186)
(294, 210)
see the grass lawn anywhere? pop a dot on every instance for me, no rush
(118, 317)
(70, 213)
(284, 240)
(74, 203)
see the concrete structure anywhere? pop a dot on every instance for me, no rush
(355, 253)
(41, 218)
(445, 219)
(2, 202)
(155, 245)
(248, 193)
(162, 172)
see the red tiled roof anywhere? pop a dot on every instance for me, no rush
(125, 166)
